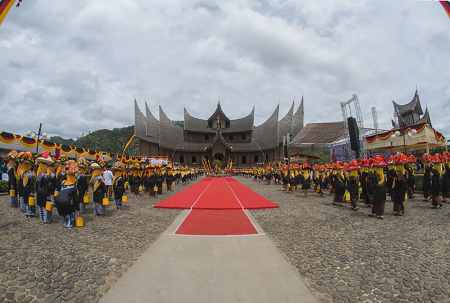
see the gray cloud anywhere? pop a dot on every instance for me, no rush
(76, 66)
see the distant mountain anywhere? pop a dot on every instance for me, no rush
(110, 141)
(60, 140)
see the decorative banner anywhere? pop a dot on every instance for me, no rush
(126, 145)
(446, 5)
(9, 138)
(5, 5)
(418, 127)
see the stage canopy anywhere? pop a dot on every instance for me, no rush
(319, 134)
(425, 138)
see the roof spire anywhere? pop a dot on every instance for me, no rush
(218, 100)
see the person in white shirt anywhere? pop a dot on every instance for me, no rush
(108, 178)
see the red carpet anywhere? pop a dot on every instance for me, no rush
(186, 198)
(216, 222)
(217, 207)
(217, 193)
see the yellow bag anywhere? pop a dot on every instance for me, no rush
(31, 201)
(155, 188)
(55, 193)
(360, 190)
(79, 222)
(347, 196)
(88, 194)
(49, 206)
(126, 185)
(406, 196)
(164, 185)
(173, 183)
(124, 198)
(141, 188)
(12, 193)
(105, 201)
(85, 199)
(318, 188)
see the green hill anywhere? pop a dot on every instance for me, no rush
(111, 141)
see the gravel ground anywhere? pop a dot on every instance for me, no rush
(345, 256)
(342, 255)
(48, 263)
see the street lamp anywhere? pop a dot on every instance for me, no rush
(38, 134)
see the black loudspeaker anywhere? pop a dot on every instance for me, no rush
(353, 131)
(286, 153)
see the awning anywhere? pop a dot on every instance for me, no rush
(425, 138)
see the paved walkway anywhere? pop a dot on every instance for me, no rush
(210, 269)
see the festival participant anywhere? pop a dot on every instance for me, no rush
(98, 187)
(352, 183)
(339, 184)
(169, 177)
(81, 182)
(363, 179)
(391, 167)
(269, 174)
(159, 178)
(446, 182)
(107, 178)
(52, 179)
(306, 169)
(131, 178)
(151, 180)
(327, 180)
(276, 176)
(370, 185)
(67, 199)
(410, 179)
(137, 179)
(183, 176)
(145, 179)
(436, 181)
(26, 185)
(322, 185)
(316, 178)
(379, 180)
(42, 186)
(118, 184)
(12, 181)
(177, 174)
(284, 177)
(426, 181)
(399, 184)
(60, 174)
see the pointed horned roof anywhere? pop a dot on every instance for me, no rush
(426, 118)
(413, 106)
(218, 112)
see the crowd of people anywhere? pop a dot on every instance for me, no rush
(63, 183)
(369, 180)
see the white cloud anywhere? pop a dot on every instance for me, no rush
(76, 66)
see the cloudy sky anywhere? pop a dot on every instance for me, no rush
(76, 66)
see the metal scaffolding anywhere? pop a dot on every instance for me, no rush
(359, 119)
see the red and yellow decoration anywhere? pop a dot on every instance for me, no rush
(9, 138)
(446, 5)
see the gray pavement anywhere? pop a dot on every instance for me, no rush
(210, 269)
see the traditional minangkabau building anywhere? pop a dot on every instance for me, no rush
(410, 113)
(218, 137)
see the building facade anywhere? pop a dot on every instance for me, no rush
(410, 113)
(217, 137)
